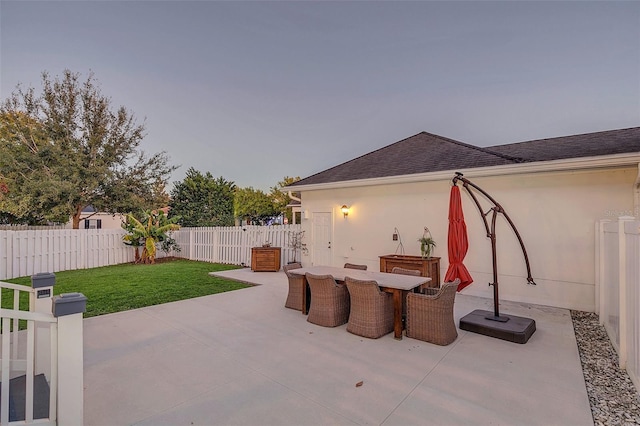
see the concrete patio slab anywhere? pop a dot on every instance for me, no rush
(242, 358)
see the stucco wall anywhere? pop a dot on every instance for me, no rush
(555, 214)
(109, 221)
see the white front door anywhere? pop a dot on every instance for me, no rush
(321, 234)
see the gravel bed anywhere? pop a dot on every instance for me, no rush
(613, 397)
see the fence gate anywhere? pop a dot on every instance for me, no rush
(618, 289)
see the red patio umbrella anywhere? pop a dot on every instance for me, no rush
(457, 241)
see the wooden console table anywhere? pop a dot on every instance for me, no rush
(428, 267)
(265, 259)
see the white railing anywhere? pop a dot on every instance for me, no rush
(24, 253)
(51, 347)
(618, 289)
(19, 355)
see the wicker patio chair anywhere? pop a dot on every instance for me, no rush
(296, 287)
(371, 309)
(404, 271)
(329, 301)
(430, 315)
(354, 266)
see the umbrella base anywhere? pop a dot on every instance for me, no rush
(513, 328)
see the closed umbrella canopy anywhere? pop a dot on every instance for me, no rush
(457, 241)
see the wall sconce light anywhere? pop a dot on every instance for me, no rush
(345, 210)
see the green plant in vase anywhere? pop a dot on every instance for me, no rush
(427, 244)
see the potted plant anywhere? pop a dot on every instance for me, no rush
(427, 243)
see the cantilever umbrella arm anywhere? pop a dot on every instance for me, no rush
(491, 234)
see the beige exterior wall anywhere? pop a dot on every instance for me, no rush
(109, 221)
(555, 213)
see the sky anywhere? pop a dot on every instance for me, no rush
(255, 91)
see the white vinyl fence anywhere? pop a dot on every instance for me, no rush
(618, 289)
(29, 227)
(24, 253)
(233, 244)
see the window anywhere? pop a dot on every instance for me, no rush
(93, 224)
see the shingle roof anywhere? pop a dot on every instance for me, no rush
(426, 152)
(586, 145)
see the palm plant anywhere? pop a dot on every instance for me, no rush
(151, 229)
(133, 238)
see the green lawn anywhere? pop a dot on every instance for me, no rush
(122, 287)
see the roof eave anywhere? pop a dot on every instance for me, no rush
(597, 162)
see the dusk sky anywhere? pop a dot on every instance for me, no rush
(255, 91)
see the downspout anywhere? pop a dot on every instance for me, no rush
(290, 194)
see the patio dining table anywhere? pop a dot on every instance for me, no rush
(396, 284)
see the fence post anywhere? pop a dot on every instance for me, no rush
(192, 244)
(215, 256)
(622, 289)
(41, 302)
(600, 257)
(245, 259)
(633, 302)
(5, 258)
(68, 308)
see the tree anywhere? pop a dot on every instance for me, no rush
(257, 207)
(254, 205)
(202, 200)
(67, 148)
(4, 217)
(27, 171)
(147, 232)
(281, 198)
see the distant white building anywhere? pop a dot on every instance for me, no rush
(90, 219)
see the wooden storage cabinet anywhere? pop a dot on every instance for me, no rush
(428, 267)
(265, 259)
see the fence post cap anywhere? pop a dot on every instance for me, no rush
(68, 304)
(43, 279)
